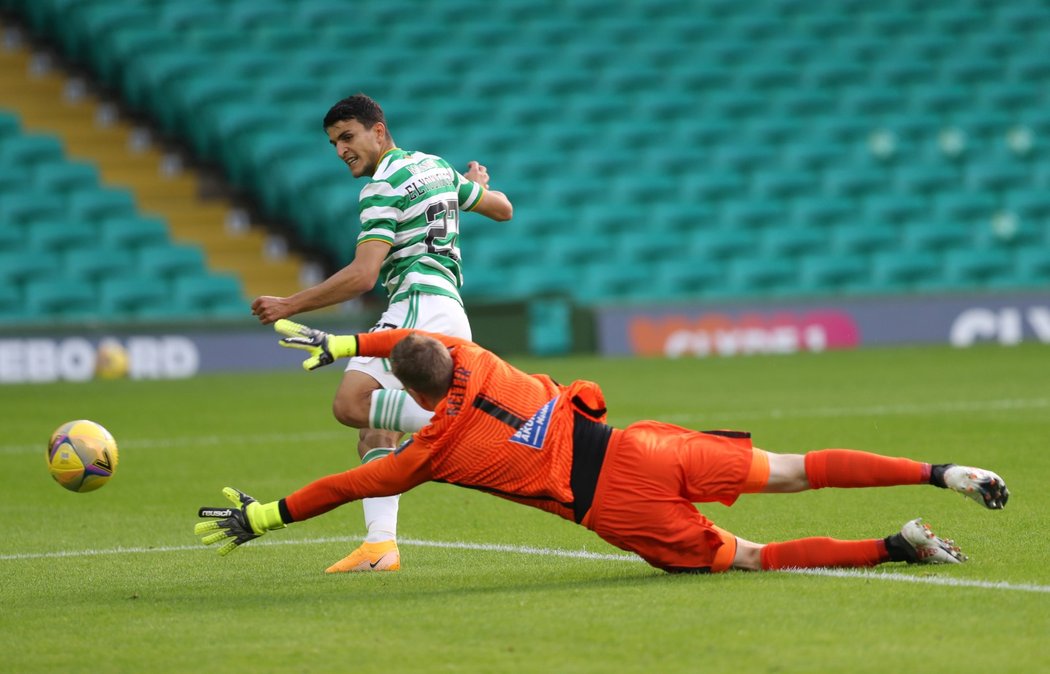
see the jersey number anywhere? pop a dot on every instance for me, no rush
(443, 220)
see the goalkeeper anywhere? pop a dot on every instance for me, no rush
(528, 439)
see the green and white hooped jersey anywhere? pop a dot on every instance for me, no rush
(413, 203)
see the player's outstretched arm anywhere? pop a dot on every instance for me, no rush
(324, 348)
(247, 520)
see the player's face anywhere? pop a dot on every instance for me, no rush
(358, 147)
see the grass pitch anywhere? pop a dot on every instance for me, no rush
(114, 581)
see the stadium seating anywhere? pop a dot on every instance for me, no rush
(73, 249)
(855, 148)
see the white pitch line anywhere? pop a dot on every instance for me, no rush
(943, 407)
(925, 580)
(858, 574)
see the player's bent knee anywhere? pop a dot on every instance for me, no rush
(350, 412)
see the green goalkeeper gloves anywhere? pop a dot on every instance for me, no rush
(324, 348)
(249, 519)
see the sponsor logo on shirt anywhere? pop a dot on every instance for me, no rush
(534, 431)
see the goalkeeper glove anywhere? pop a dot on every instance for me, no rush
(324, 348)
(248, 520)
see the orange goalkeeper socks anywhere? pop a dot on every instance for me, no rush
(807, 553)
(853, 468)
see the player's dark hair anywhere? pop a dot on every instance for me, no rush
(359, 107)
(423, 364)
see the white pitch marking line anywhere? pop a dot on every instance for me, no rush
(554, 552)
(943, 407)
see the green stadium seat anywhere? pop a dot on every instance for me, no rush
(568, 248)
(60, 299)
(129, 296)
(898, 71)
(713, 186)
(640, 246)
(14, 180)
(66, 177)
(260, 152)
(171, 260)
(823, 211)
(997, 176)
(1033, 266)
(899, 270)
(149, 77)
(679, 279)
(865, 237)
(969, 69)
(12, 304)
(100, 204)
(976, 267)
(832, 271)
(815, 156)
(752, 214)
(766, 76)
(99, 21)
(937, 236)
(30, 150)
(792, 241)
(210, 294)
(895, 208)
(776, 131)
(608, 281)
(133, 232)
(783, 184)
(964, 207)
(546, 281)
(190, 97)
(926, 179)
(722, 244)
(60, 235)
(940, 99)
(258, 13)
(286, 38)
(870, 101)
(1008, 96)
(186, 16)
(19, 266)
(123, 58)
(750, 275)
(97, 262)
(195, 98)
(856, 181)
(24, 208)
(803, 103)
(10, 126)
(12, 238)
(743, 158)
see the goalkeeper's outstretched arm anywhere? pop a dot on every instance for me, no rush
(325, 348)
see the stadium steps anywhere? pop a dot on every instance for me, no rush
(42, 100)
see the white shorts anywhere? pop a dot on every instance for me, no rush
(433, 313)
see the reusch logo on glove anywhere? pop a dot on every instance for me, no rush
(214, 512)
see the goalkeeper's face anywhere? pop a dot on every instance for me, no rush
(359, 148)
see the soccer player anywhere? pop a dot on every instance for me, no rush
(526, 438)
(409, 236)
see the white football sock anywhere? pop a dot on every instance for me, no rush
(381, 512)
(394, 410)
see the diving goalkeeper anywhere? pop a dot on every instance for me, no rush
(528, 439)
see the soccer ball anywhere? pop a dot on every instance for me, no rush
(82, 455)
(111, 360)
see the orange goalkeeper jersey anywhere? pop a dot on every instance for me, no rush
(498, 430)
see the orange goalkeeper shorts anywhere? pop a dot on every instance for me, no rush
(652, 475)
